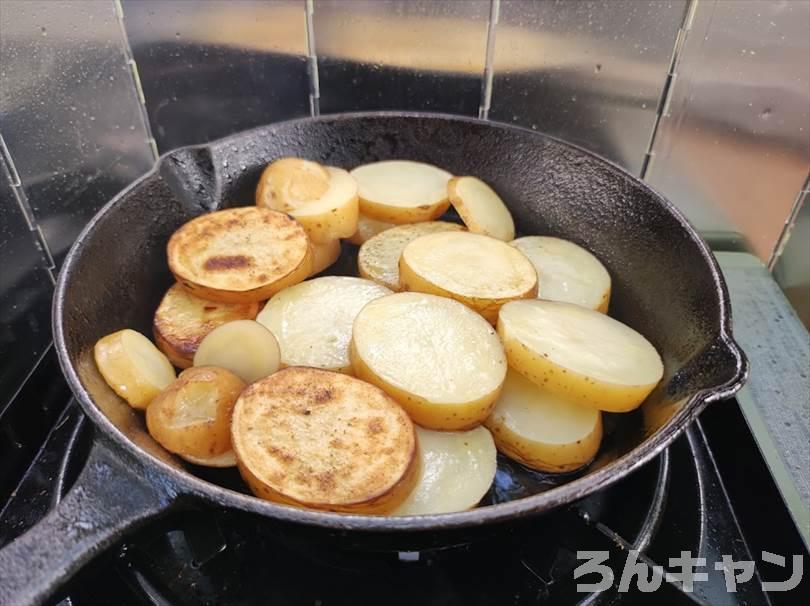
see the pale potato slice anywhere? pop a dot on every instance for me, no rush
(182, 320)
(457, 468)
(312, 321)
(239, 255)
(324, 255)
(481, 209)
(567, 272)
(287, 181)
(542, 431)
(226, 459)
(436, 357)
(132, 366)
(192, 416)
(402, 191)
(378, 258)
(244, 347)
(479, 271)
(324, 440)
(368, 228)
(578, 354)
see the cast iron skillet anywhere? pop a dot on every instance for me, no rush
(666, 284)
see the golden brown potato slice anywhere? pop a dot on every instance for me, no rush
(378, 258)
(479, 271)
(324, 440)
(322, 199)
(226, 459)
(239, 255)
(324, 255)
(542, 431)
(368, 228)
(192, 416)
(244, 347)
(567, 272)
(578, 354)
(133, 367)
(436, 357)
(481, 209)
(312, 321)
(456, 471)
(182, 320)
(401, 191)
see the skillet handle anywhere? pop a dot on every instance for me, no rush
(111, 495)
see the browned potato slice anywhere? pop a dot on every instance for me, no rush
(239, 255)
(312, 321)
(481, 209)
(192, 416)
(456, 470)
(542, 431)
(324, 255)
(182, 320)
(578, 354)
(226, 459)
(401, 191)
(567, 272)
(378, 258)
(479, 271)
(368, 228)
(436, 357)
(244, 347)
(133, 367)
(322, 199)
(324, 440)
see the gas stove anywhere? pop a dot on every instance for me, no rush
(709, 495)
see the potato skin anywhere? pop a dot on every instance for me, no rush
(568, 384)
(399, 215)
(443, 417)
(204, 438)
(409, 280)
(554, 458)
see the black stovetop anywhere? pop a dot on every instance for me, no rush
(710, 494)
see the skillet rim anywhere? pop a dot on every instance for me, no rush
(185, 484)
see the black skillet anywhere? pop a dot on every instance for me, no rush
(666, 284)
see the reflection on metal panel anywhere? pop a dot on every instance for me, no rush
(397, 54)
(589, 72)
(25, 294)
(733, 146)
(211, 68)
(69, 112)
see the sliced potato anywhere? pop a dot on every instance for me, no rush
(324, 255)
(324, 440)
(226, 459)
(368, 228)
(312, 321)
(288, 181)
(479, 271)
(436, 357)
(481, 209)
(322, 198)
(192, 416)
(401, 191)
(182, 320)
(457, 468)
(578, 354)
(239, 255)
(567, 272)
(378, 258)
(132, 366)
(244, 347)
(542, 431)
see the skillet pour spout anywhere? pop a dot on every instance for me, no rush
(666, 285)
